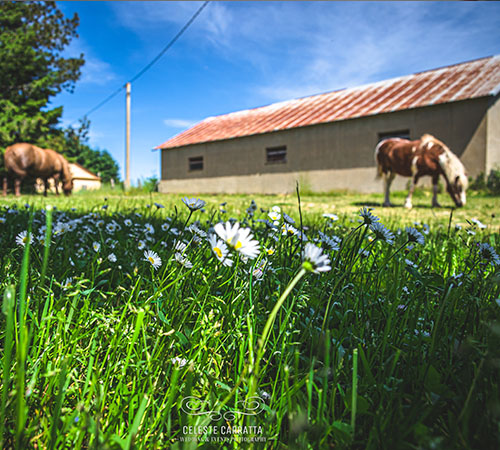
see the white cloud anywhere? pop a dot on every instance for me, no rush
(179, 123)
(302, 48)
(95, 70)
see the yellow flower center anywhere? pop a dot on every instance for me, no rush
(218, 251)
(151, 260)
(238, 245)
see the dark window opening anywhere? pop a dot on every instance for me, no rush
(276, 155)
(404, 134)
(196, 163)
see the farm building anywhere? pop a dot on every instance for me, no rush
(326, 141)
(83, 179)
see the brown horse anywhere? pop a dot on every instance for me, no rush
(25, 159)
(425, 156)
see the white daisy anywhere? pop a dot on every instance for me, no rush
(333, 217)
(240, 239)
(148, 228)
(332, 242)
(127, 222)
(368, 217)
(488, 252)
(220, 249)
(96, 246)
(141, 245)
(112, 257)
(415, 236)
(23, 238)
(183, 261)
(288, 230)
(382, 232)
(275, 216)
(314, 260)
(193, 203)
(153, 258)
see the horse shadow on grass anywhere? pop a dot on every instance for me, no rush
(402, 206)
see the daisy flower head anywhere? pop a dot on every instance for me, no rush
(193, 203)
(332, 217)
(127, 222)
(275, 216)
(220, 249)
(415, 236)
(23, 238)
(488, 253)
(382, 232)
(183, 261)
(141, 245)
(240, 239)
(96, 246)
(288, 230)
(153, 258)
(332, 242)
(288, 219)
(3, 220)
(367, 216)
(314, 260)
(149, 229)
(112, 257)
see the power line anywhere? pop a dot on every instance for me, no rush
(148, 66)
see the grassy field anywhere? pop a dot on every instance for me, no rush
(139, 321)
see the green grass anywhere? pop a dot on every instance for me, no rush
(396, 346)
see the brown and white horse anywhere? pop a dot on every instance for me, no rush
(415, 159)
(26, 159)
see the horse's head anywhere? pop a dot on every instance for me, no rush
(68, 186)
(456, 188)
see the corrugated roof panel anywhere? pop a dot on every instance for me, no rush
(472, 79)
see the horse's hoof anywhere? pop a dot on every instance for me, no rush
(387, 205)
(436, 205)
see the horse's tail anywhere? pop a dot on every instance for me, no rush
(377, 161)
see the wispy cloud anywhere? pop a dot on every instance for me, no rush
(301, 48)
(95, 70)
(179, 123)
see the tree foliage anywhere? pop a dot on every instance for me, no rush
(73, 144)
(33, 36)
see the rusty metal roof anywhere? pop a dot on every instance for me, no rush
(473, 79)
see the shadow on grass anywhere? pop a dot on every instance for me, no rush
(420, 206)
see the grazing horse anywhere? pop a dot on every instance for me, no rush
(25, 159)
(425, 156)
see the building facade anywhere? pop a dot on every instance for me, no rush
(326, 142)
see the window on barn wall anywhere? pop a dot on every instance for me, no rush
(276, 155)
(404, 134)
(195, 163)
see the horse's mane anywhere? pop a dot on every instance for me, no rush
(450, 163)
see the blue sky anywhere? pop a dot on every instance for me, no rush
(240, 55)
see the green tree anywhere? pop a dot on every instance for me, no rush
(33, 36)
(73, 144)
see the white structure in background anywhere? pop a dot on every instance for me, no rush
(83, 180)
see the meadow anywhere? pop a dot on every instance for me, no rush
(155, 321)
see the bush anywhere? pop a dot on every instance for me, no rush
(493, 182)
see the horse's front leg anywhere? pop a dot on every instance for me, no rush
(4, 186)
(388, 179)
(435, 203)
(46, 186)
(56, 183)
(413, 183)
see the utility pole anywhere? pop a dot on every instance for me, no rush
(127, 141)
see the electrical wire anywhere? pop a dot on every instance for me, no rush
(150, 64)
